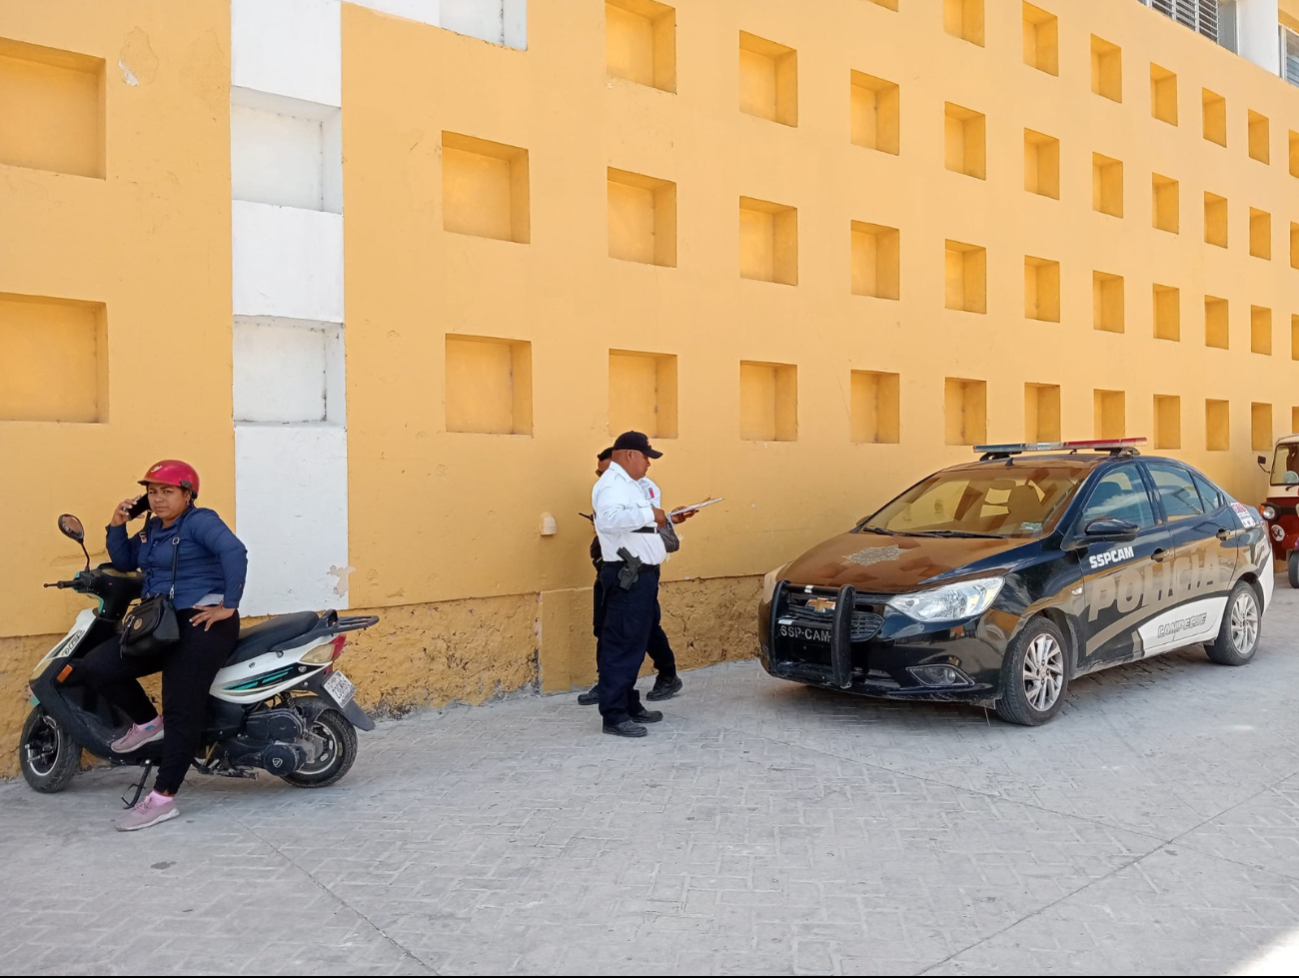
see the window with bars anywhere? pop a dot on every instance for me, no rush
(1290, 55)
(1199, 15)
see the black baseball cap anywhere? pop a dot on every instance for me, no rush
(605, 455)
(635, 441)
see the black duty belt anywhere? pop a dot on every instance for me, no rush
(647, 529)
(619, 563)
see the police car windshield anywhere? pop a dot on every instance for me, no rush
(1285, 467)
(1005, 501)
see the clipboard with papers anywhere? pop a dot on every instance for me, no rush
(690, 509)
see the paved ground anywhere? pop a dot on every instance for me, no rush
(765, 828)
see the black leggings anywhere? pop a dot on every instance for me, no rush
(187, 668)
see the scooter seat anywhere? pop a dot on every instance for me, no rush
(256, 639)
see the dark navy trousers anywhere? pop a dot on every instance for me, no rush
(629, 618)
(659, 648)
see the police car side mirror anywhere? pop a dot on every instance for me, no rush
(1109, 528)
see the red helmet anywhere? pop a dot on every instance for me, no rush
(173, 472)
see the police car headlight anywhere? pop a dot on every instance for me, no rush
(1269, 513)
(771, 580)
(951, 602)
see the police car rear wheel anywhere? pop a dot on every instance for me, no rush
(1033, 675)
(1241, 623)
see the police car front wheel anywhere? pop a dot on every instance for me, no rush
(1034, 675)
(1241, 623)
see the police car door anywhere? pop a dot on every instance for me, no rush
(1119, 578)
(1205, 538)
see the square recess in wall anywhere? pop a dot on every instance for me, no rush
(1041, 164)
(1107, 69)
(1260, 137)
(1041, 39)
(642, 218)
(1166, 203)
(53, 359)
(285, 151)
(876, 260)
(1260, 330)
(768, 241)
(1168, 421)
(1217, 425)
(488, 385)
(641, 42)
(966, 137)
(51, 109)
(966, 277)
(1108, 304)
(485, 188)
(1041, 412)
(1215, 220)
(1110, 414)
(1217, 323)
(1260, 234)
(964, 19)
(1107, 185)
(1167, 312)
(876, 106)
(875, 407)
(1214, 107)
(768, 79)
(768, 401)
(1163, 94)
(287, 371)
(1041, 289)
(1260, 426)
(643, 393)
(965, 411)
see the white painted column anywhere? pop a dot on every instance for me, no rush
(1257, 33)
(290, 413)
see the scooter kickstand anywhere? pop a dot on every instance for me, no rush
(138, 786)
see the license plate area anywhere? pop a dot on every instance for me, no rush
(340, 688)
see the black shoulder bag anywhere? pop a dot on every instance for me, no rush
(152, 626)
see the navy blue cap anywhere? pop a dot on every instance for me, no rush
(635, 441)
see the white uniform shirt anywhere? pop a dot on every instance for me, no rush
(621, 506)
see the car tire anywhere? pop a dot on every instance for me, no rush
(1034, 675)
(1242, 626)
(1292, 569)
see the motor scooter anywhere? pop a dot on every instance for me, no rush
(279, 704)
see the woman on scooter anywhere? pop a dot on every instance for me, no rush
(210, 568)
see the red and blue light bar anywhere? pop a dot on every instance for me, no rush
(1095, 444)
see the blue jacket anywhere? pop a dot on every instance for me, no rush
(211, 558)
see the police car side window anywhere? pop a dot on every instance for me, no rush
(1120, 494)
(1176, 491)
(1209, 493)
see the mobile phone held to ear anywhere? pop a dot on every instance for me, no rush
(140, 508)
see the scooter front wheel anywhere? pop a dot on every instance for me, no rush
(46, 753)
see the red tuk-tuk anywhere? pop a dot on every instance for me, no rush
(1282, 498)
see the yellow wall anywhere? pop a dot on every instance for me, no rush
(467, 506)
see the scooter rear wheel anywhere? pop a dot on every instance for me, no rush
(336, 758)
(46, 753)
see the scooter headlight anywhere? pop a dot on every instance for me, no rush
(1269, 512)
(951, 602)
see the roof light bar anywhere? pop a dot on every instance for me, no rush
(1097, 444)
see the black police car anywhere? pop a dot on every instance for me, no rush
(997, 581)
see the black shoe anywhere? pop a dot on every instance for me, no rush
(648, 716)
(625, 729)
(589, 698)
(664, 689)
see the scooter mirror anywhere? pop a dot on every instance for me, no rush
(1262, 462)
(70, 526)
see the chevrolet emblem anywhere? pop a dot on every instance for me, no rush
(822, 604)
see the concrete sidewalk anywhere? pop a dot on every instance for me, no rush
(764, 828)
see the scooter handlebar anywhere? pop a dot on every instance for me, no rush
(62, 584)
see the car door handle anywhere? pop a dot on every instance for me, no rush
(1159, 555)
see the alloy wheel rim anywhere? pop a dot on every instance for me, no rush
(1043, 672)
(329, 754)
(42, 748)
(1244, 624)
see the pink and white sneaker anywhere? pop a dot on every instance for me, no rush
(151, 810)
(139, 735)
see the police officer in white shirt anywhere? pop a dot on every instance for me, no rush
(627, 522)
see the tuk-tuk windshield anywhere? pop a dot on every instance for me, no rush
(1285, 467)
